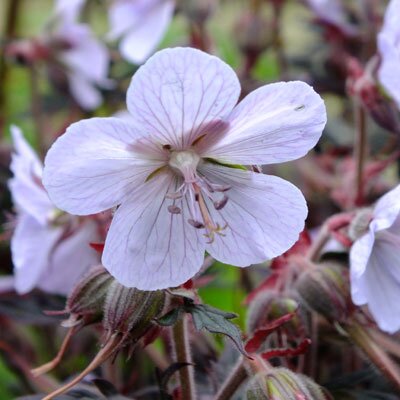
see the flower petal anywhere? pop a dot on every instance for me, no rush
(69, 9)
(146, 34)
(179, 92)
(359, 257)
(275, 123)
(387, 210)
(149, 248)
(93, 166)
(381, 283)
(31, 245)
(390, 63)
(264, 216)
(26, 188)
(70, 259)
(84, 92)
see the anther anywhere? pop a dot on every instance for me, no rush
(196, 224)
(173, 209)
(218, 205)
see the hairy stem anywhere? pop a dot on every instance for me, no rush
(11, 20)
(184, 355)
(362, 338)
(236, 377)
(360, 153)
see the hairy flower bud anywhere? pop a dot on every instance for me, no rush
(359, 224)
(252, 33)
(268, 307)
(87, 298)
(197, 11)
(283, 384)
(130, 311)
(325, 289)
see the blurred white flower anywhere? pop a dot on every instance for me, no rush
(50, 249)
(375, 263)
(389, 49)
(140, 25)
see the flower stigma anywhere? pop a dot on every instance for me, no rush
(197, 188)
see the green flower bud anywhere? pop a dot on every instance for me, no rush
(129, 311)
(283, 384)
(86, 300)
(326, 290)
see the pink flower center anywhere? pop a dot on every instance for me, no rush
(198, 189)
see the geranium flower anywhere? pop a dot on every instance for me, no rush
(50, 249)
(375, 263)
(389, 49)
(85, 59)
(176, 174)
(140, 24)
(331, 12)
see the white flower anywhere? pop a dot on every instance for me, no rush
(140, 25)
(375, 263)
(389, 49)
(172, 169)
(50, 249)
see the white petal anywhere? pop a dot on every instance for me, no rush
(93, 167)
(31, 246)
(87, 56)
(382, 285)
(179, 92)
(141, 40)
(71, 258)
(149, 248)
(391, 23)
(84, 92)
(264, 216)
(386, 210)
(359, 256)
(69, 9)
(388, 73)
(26, 188)
(275, 123)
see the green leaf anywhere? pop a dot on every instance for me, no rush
(170, 317)
(216, 321)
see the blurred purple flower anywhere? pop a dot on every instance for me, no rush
(50, 249)
(389, 49)
(173, 170)
(140, 24)
(331, 12)
(375, 263)
(85, 58)
(69, 9)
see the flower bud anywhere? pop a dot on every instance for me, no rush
(197, 11)
(252, 33)
(129, 311)
(325, 289)
(360, 223)
(269, 306)
(283, 384)
(86, 300)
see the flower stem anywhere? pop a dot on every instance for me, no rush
(362, 338)
(11, 22)
(183, 355)
(360, 152)
(236, 377)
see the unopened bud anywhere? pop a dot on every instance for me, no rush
(268, 307)
(130, 311)
(283, 384)
(252, 33)
(197, 11)
(325, 289)
(87, 298)
(360, 223)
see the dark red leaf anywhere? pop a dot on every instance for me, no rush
(296, 351)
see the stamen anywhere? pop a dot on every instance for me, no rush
(173, 209)
(196, 224)
(221, 203)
